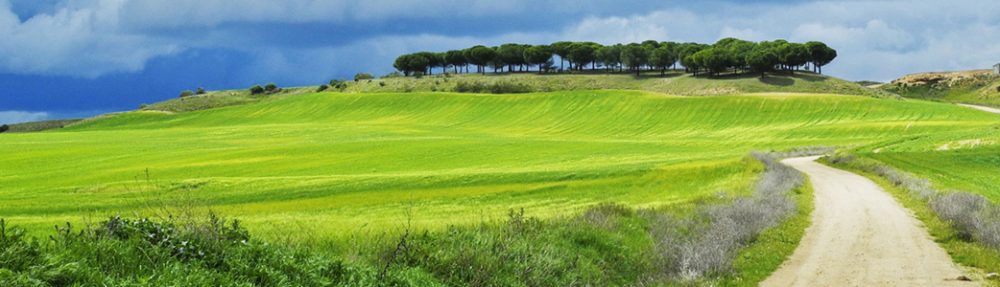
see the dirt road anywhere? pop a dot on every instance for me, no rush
(982, 108)
(860, 236)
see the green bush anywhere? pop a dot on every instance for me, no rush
(256, 90)
(125, 252)
(322, 87)
(271, 88)
(363, 76)
(500, 87)
(4, 128)
(186, 93)
(200, 91)
(338, 84)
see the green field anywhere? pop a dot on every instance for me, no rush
(673, 83)
(332, 164)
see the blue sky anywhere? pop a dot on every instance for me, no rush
(68, 58)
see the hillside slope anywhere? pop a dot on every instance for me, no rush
(318, 161)
(970, 87)
(673, 83)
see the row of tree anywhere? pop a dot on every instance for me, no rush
(728, 55)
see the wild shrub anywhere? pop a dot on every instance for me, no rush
(973, 216)
(362, 76)
(271, 88)
(322, 87)
(186, 93)
(499, 87)
(213, 252)
(338, 84)
(705, 245)
(200, 91)
(527, 251)
(4, 128)
(256, 90)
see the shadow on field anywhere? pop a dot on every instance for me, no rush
(777, 81)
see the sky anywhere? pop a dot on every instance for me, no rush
(76, 58)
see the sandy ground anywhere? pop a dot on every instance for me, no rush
(860, 236)
(982, 108)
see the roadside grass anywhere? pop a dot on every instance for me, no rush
(972, 169)
(962, 251)
(605, 245)
(756, 262)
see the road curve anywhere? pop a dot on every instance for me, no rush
(860, 236)
(982, 108)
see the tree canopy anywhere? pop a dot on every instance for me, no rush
(726, 56)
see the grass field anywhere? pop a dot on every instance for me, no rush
(966, 161)
(673, 82)
(333, 164)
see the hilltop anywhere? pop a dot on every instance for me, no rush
(969, 87)
(673, 83)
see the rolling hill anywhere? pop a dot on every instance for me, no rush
(346, 162)
(969, 87)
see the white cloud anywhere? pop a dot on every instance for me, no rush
(12, 117)
(78, 42)
(201, 13)
(877, 39)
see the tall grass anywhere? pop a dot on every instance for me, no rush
(606, 245)
(973, 216)
(706, 245)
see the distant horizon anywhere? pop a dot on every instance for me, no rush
(82, 58)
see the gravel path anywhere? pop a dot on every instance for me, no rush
(860, 236)
(982, 108)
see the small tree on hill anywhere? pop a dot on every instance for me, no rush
(271, 88)
(714, 59)
(662, 58)
(820, 55)
(538, 55)
(4, 128)
(200, 91)
(481, 56)
(455, 58)
(610, 56)
(511, 55)
(561, 49)
(762, 58)
(186, 93)
(256, 89)
(581, 54)
(634, 57)
(363, 76)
